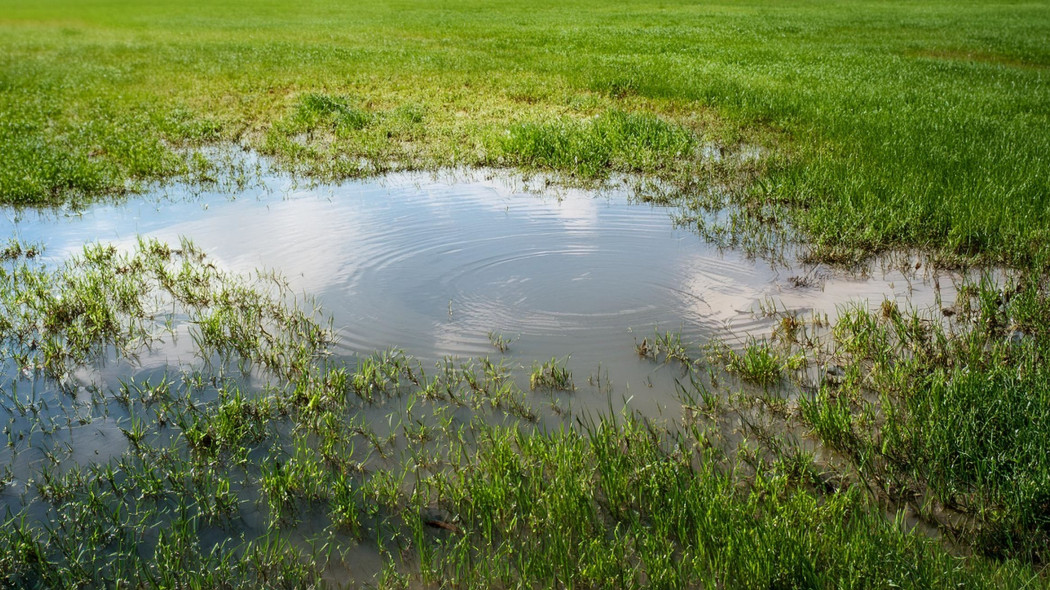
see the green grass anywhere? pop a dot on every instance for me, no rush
(884, 124)
(950, 415)
(758, 364)
(944, 411)
(612, 140)
(623, 505)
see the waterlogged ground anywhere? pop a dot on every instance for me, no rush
(352, 411)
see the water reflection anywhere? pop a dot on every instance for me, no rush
(433, 266)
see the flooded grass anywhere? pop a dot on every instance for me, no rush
(666, 346)
(950, 414)
(938, 410)
(500, 342)
(551, 374)
(758, 363)
(269, 462)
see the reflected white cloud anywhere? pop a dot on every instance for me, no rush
(310, 241)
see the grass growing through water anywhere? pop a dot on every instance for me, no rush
(667, 346)
(942, 411)
(884, 124)
(950, 413)
(223, 479)
(56, 321)
(500, 342)
(758, 363)
(552, 374)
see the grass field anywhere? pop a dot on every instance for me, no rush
(895, 447)
(890, 125)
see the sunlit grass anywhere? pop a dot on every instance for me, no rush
(864, 126)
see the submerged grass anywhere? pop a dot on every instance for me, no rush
(268, 478)
(870, 125)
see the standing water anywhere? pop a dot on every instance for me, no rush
(439, 269)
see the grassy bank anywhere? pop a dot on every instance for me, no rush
(884, 124)
(269, 463)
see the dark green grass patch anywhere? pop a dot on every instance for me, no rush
(316, 110)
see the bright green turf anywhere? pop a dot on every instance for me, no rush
(902, 124)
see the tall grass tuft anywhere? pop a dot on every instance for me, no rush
(612, 141)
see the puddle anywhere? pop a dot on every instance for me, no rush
(436, 267)
(433, 267)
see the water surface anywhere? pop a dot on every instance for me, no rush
(434, 266)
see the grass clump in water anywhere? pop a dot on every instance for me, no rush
(552, 374)
(759, 363)
(667, 346)
(500, 342)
